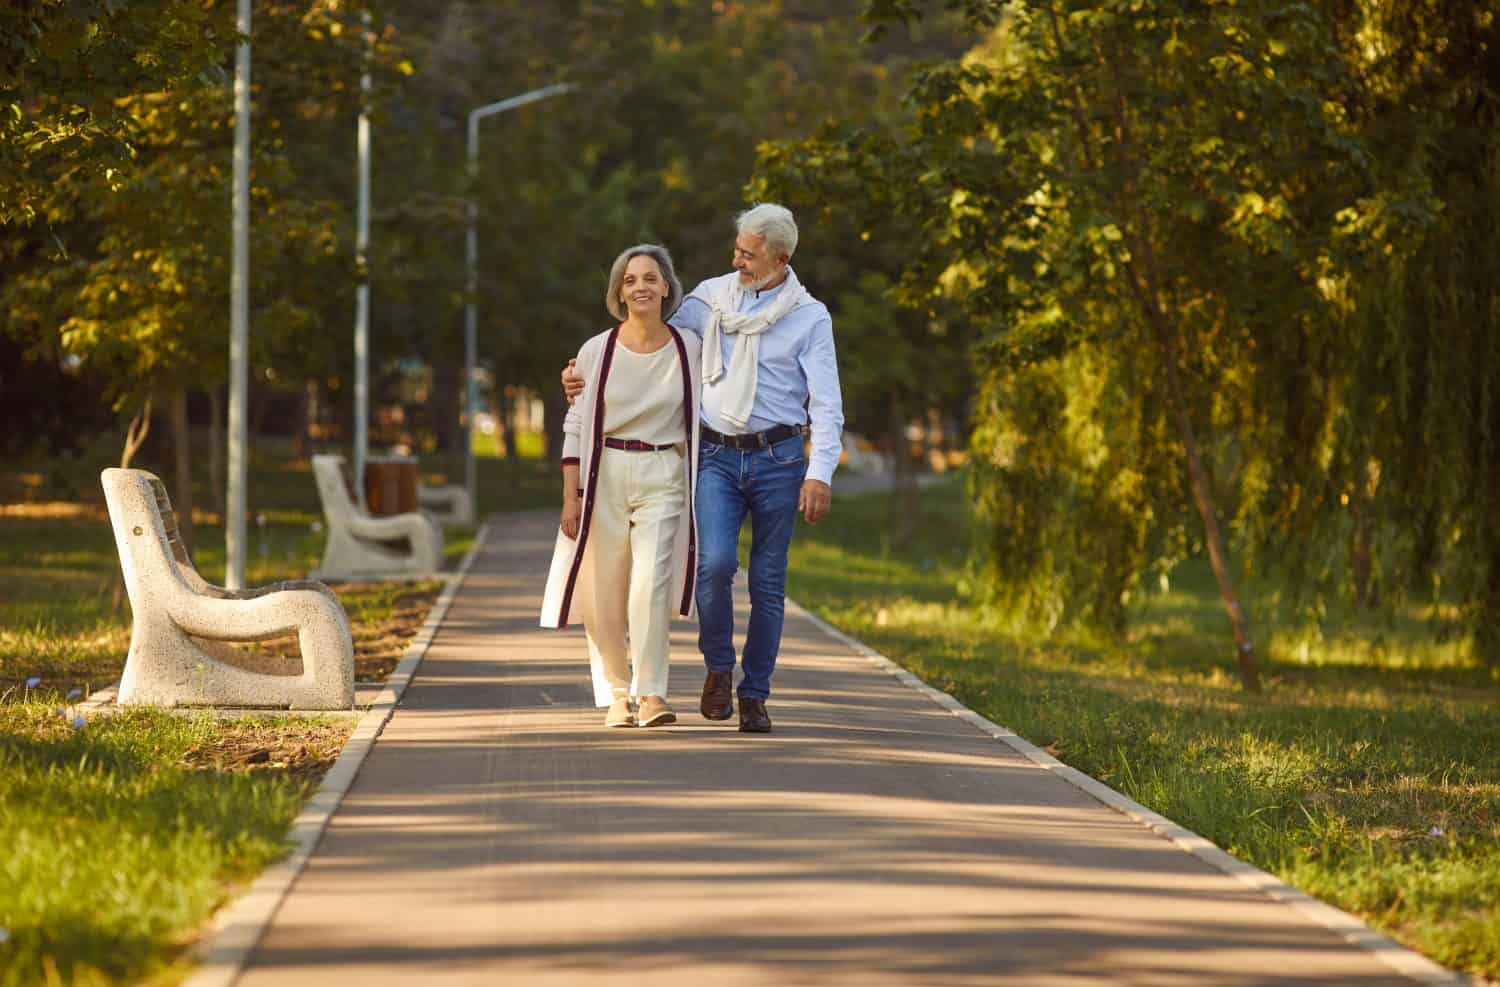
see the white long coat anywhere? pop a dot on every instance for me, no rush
(583, 439)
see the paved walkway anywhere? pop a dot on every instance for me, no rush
(499, 835)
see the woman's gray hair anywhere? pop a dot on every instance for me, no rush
(773, 222)
(617, 278)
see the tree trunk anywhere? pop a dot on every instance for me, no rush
(507, 466)
(1362, 542)
(260, 407)
(905, 506)
(554, 409)
(308, 418)
(135, 433)
(1142, 287)
(1203, 498)
(506, 398)
(216, 449)
(182, 468)
(505, 413)
(1362, 560)
(342, 406)
(444, 405)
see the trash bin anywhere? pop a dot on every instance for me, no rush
(391, 484)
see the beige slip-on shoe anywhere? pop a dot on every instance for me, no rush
(619, 714)
(655, 712)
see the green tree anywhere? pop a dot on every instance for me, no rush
(65, 71)
(901, 352)
(130, 274)
(1104, 185)
(1409, 393)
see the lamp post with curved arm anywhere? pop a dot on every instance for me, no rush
(471, 256)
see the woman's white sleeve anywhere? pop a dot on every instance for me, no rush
(573, 420)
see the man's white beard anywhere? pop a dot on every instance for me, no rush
(760, 283)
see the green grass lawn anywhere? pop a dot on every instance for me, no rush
(122, 835)
(529, 445)
(1367, 774)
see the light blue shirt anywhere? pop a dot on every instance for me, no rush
(797, 381)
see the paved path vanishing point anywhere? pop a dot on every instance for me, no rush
(498, 834)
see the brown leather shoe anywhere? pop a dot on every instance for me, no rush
(718, 696)
(753, 716)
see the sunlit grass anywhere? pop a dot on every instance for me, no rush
(120, 840)
(1368, 773)
(529, 445)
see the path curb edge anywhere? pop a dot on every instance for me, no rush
(237, 928)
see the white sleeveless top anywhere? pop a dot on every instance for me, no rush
(643, 396)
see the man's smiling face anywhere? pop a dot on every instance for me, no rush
(753, 260)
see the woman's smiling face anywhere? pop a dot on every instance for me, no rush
(643, 288)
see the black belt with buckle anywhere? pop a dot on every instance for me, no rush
(752, 440)
(636, 445)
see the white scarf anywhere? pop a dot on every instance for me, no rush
(739, 377)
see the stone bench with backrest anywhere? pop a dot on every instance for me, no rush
(180, 645)
(861, 455)
(363, 546)
(450, 504)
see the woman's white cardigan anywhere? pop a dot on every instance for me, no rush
(583, 438)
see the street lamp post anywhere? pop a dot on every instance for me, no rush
(239, 316)
(471, 256)
(362, 288)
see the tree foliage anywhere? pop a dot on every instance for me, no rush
(124, 272)
(69, 72)
(1229, 286)
(127, 267)
(657, 143)
(1209, 276)
(1416, 380)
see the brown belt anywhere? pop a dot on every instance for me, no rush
(636, 445)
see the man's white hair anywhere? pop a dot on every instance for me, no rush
(773, 222)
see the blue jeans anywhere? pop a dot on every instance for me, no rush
(765, 483)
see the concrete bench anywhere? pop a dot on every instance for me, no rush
(180, 653)
(450, 504)
(861, 455)
(363, 546)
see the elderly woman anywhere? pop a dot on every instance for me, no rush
(626, 551)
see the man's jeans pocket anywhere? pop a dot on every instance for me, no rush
(788, 452)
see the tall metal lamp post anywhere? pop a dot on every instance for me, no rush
(239, 316)
(471, 315)
(362, 265)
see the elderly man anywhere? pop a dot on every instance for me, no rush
(769, 373)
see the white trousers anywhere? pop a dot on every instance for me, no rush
(627, 614)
